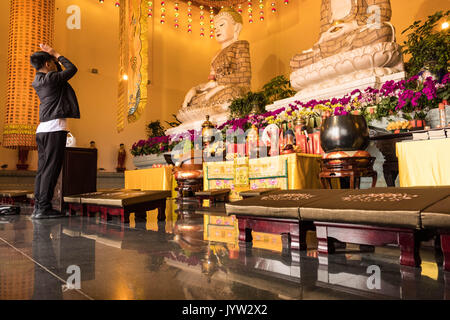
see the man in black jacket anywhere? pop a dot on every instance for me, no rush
(58, 102)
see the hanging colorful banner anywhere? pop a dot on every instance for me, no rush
(133, 59)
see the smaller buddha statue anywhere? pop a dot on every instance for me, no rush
(230, 72)
(122, 154)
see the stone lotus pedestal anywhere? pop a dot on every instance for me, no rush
(344, 69)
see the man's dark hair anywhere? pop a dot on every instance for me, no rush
(38, 59)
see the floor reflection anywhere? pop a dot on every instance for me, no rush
(193, 257)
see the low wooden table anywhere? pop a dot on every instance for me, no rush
(352, 167)
(276, 212)
(213, 195)
(293, 235)
(122, 203)
(406, 239)
(14, 196)
(75, 204)
(257, 192)
(374, 217)
(30, 198)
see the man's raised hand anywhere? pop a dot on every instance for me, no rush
(49, 50)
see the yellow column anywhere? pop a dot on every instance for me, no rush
(31, 22)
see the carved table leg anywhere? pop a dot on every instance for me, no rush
(72, 209)
(299, 242)
(244, 233)
(445, 246)
(325, 244)
(286, 242)
(84, 212)
(352, 180)
(124, 216)
(409, 249)
(446, 286)
(357, 182)
(389, 175)
(162, 211)
(104, 213)
(374, 179)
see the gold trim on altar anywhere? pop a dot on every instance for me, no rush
(292, 171)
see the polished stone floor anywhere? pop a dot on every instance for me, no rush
(171, 261)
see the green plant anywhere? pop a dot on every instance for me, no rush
(155, 129)
(428, 45)
(386, 107)
(278, 88)
(252, 101)
(174, 123)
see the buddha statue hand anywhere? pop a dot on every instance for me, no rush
(338, 30)
(201, 88)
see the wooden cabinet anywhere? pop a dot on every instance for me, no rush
(78, 175)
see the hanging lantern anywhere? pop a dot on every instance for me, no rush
(286, 1)
(189, 14)
(101, 1)
(163, 14)
(176, 14)
(117, 4)
(250, 11)
(274, 9)
(211, 22)
(261, 10)
(202, 23)
(239, 9)
(150, 9)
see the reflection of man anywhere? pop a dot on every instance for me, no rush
(58, 102)
(46, 286)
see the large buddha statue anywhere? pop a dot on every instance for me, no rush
(230, 73)
(356, 41)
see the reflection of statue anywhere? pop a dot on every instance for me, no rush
(121, 158)
(230, 73)
(355, 36)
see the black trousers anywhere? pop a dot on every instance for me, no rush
(51, 146)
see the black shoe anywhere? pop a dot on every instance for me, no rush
(9, 210)
(47, 214)
(54, 214)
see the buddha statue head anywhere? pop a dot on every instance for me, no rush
(228, 26)
(334, 12)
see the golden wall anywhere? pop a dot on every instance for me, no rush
(178, 61)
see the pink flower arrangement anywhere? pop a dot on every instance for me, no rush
(402, 96)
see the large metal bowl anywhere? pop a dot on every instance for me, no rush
(344, 133)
